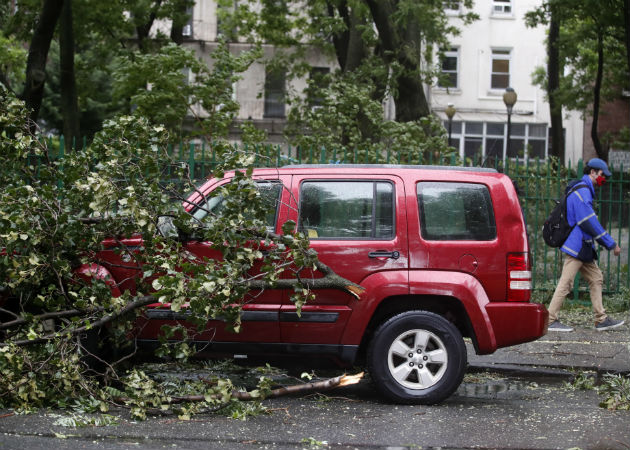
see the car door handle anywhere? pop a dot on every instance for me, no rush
(384, 254)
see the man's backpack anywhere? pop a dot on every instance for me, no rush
(556, 228)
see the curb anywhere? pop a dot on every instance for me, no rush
(542, 371)
(522, 370)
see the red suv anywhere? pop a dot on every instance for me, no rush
(442, 253)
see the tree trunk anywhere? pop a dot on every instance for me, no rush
(69, 103)
(143, 30)
(601, 152)
(4, 80)
(180, 18)
(553, 83)
(626, 25)
(349, 45)
(411, 102)
(38, 55)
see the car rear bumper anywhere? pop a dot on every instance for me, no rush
(515, 323)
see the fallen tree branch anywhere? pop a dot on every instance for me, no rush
(49, 315)
(316, 386)
(330, 280)
(137, 303)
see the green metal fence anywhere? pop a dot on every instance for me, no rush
(538, 186)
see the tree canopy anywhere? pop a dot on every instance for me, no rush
(55, 214)
(101, 70)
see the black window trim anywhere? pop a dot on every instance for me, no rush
(374, 182)
(421, 212)
(206, 196)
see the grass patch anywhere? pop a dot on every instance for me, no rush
(613, 388)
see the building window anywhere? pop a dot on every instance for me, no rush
(449, 68)
(500, 75)
(187, 30)
(274, 93)
(502, 7)
(486, 142)
(452, 6)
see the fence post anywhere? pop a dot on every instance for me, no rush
(60, 156)
(191, 160)
(203, 159)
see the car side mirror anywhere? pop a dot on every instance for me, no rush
(166, 227)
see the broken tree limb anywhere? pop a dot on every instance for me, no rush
(330, 280)
(315, 386)
(49, 315)
(137, 303)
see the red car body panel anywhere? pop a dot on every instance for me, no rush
(472, 273)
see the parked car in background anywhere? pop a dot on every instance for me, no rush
(442, 253)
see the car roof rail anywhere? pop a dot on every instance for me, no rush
(390, 166)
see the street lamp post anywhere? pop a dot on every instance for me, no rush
(450, 112)
(509, 98)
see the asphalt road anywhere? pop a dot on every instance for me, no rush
(513, 399)
(490, 410)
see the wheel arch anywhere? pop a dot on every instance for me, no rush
(448, 307)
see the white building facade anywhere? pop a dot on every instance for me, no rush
(491, 54)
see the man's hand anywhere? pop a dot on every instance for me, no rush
(617, 250)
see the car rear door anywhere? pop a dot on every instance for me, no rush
(454, 229)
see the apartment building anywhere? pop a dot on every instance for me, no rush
(492, 54)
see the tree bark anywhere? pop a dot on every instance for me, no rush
(626, 25)
(602, 153)
(38, 55)
(350, 48)
(403, 43)
(143, 30)
(553, 83)
(69, 102)
(330, 281)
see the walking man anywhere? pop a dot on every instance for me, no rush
(579, 248)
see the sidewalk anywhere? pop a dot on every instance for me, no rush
(559, 353)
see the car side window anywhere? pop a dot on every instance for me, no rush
(347, 209)
(270, 192)
(455, 212)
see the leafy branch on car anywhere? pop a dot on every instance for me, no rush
(61, 320)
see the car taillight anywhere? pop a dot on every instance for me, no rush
(519, 276)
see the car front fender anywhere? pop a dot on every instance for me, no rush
(89, 272)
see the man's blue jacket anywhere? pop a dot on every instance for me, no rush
(580, 243)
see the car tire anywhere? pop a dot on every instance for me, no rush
(417, 357)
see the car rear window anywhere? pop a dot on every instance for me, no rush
(455, 212)
(347, 209)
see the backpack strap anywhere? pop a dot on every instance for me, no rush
(574, 188)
